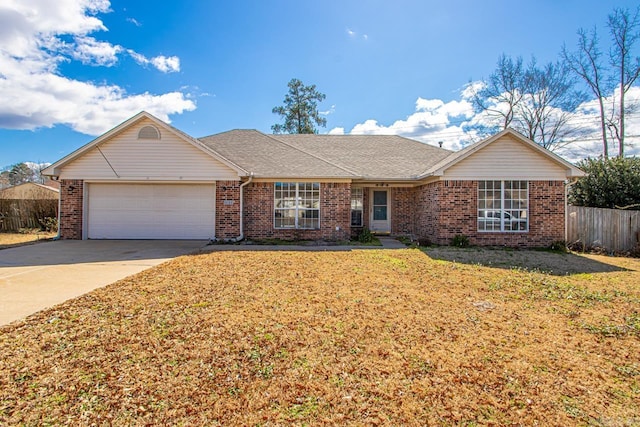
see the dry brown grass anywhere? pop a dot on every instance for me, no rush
(16, 239)
(358, 338)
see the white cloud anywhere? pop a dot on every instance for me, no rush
(134, 21)
(34, 40)
(165, 64)
(586, 118)
(90, 51)
(329, 111)
(162, 63)
(433, 121)
(337, 131)
(453, 123)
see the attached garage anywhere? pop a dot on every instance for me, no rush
(150, 211)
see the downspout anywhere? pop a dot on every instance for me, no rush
(244, 184)
(567, 185)
(57, 178)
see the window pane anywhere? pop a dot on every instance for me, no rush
(357, 197)
(380, 198)
(379, 213)
(309, 219)
(285, 218)
(297, 205)
(308, 213)
(516, 200)
(356, 218)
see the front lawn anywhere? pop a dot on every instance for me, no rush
(16, 239)
(366, 337)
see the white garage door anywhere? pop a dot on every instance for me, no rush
(151, 211)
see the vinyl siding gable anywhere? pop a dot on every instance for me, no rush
(506, 158)
(169, 158)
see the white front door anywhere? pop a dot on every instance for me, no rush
(380, 216)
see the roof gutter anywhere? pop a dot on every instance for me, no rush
(57, 179)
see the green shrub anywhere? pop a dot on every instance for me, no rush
(611, 183)
(49, 224)
(559, 246)
(460, 240)
(365, 236)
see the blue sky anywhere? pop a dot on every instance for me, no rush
(72, 69)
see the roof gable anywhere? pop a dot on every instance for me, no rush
(142, 117)
(536, 157)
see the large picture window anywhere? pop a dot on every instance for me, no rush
(297, 205)
(503, 206)
(357, 206)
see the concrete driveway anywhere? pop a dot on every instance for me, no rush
(38, 276)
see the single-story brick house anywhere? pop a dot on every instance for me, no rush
(145, 179)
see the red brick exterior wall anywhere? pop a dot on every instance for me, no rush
(448, 208)
(227, 209)
(435, 212)
(71, 195)
(335, 212)
(403, 210)
(428, 211)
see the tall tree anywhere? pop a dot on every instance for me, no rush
(536, 101)
(586, 63)
(300, 109)
(501, 94)
(20, 173)
(625, 32)
(547, 104)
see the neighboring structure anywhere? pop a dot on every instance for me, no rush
(145, 179)
(26, 205)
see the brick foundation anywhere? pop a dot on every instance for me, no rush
(71, 195)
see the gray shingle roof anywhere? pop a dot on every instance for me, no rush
(386, 157)
(265, 156)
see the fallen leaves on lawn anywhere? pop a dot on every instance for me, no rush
(362, 337)
(15, 239)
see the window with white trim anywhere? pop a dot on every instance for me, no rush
(297, 205)
(503, 206)
(357, 206)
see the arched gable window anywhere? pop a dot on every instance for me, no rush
(149, 132)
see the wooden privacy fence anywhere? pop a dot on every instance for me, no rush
(611, 229)
(16, 214)
(15, 223)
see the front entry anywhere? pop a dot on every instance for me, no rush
(380, 219)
